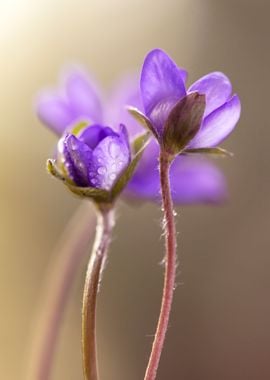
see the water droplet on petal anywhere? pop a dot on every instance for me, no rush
(94, 181)
(101, 170)
(114, 150)
(112, 176)
(120, 164)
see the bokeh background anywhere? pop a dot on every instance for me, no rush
(220, 325)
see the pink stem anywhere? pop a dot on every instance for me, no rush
(93, 277)
(71, 252)
(169, 281)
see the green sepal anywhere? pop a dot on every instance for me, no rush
(140, 142)
(183, 123)
(98, 195)
(143, 120)
(101, 196)
(217, 151)
(55, 172)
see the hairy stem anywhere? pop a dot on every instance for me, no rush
(170, 269)
(70, 251)
(93, 277)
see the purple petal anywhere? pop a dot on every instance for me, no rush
(76, 159)
(83, 96)
(217, 89)
(197, 181)
(184, 75)
(53, 111)
(160, 113)
(192, 180)
(126, 92)
(160, 79)
(218, 125)
(123, 134)
(145, 181)
(94, 134)
(110, 158)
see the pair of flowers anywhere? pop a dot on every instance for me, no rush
(100, 161)
(96, 144)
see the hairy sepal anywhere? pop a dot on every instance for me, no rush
(183, 123)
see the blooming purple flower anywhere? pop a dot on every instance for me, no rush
(202, 115)
(95, 158)
(77, 100)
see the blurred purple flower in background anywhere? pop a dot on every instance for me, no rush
(163, 87)
(76, 100)
(193, 180)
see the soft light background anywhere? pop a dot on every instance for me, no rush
(220, 325)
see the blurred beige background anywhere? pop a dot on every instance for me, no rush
(220, 325)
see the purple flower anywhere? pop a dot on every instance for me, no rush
(200, 116)
(192, 180)
(95, 158)
(78, 100)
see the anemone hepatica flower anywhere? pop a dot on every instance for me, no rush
(78, 100)
(185, 119)
(95, 161)
(95, 157)
(193, 120)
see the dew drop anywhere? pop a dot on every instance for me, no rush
(101, 170)
(120, 164)
(114, 166)
(112, 176)
(114, 150)
(93, 181)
